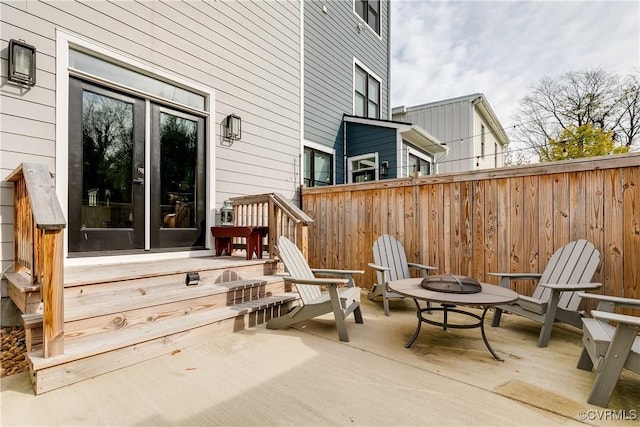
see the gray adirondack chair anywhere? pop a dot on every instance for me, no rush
(555, 298)
(609, 348)
(390, 263)
(342, 296)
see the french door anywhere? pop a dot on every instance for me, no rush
(115, 203)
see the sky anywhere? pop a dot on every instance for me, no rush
(445, 49)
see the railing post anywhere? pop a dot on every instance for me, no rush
(273, 223)
(53, 293)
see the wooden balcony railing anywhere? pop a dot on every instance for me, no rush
(273, 210)
(38, 239)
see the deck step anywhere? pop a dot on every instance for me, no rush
(23, 293)
(85, 358)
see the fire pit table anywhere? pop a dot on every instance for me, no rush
(450, 295)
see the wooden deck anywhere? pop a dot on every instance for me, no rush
(120, 314)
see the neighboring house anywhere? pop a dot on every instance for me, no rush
(130, 109)
(383, 149)
(467, 125)
(348, 136)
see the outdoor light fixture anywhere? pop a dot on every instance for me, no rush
(226, 213)
(384, 168)
(22, 63)
(233, 127)
(192, 279)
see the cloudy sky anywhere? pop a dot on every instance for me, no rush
(444, 49)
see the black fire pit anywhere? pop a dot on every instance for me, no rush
(451, 284)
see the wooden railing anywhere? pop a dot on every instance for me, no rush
(38, 239)
(273, 210)
(499, 220)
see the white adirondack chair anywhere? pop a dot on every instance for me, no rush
(570, 269)
(390, 263)
(342, 297)
(609, 348)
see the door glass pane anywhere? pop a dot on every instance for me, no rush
(107, 161)
(178, 161)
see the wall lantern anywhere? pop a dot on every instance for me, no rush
(384, 168)
(22, 63)
(233, 127)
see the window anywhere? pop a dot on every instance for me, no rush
(363, 168)
(418, 163)
(318, 168)
(366, 97)
(495, 154)
(369, 11)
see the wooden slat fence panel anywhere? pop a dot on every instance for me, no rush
(508, 219)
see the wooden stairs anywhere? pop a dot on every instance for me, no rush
(116, 315)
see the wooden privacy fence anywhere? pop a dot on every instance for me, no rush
(499, 220)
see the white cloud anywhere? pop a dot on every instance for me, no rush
(445, 49)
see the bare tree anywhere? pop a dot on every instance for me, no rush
(577, 98)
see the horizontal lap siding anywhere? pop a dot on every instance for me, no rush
(332, 40)
(247, 52)
(509, 219)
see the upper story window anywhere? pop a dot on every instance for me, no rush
(369, 11)
(482, 140)
(366, 96)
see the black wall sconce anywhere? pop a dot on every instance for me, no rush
(384, 168)
(22, 63)
(233, 127)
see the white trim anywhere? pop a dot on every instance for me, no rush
(352, 159)
(302, 141)
(367, 70)
(366, 23)
(419, 154)
(147, 174)
(65, 41)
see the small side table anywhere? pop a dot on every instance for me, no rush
(254, 235)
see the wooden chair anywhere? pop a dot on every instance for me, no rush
(609, 348)
(570, 269)
(390, 263)
(342, 301)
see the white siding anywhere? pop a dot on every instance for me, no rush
(247, 52)
(450, 123)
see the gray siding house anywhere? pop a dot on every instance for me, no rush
(130, 110)
(348, 136)
(467, 125)
(151, 114)
(346, 71)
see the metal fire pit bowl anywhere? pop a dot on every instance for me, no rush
(451, 284)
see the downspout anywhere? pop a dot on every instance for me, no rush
(388, 60)
(344, 151)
